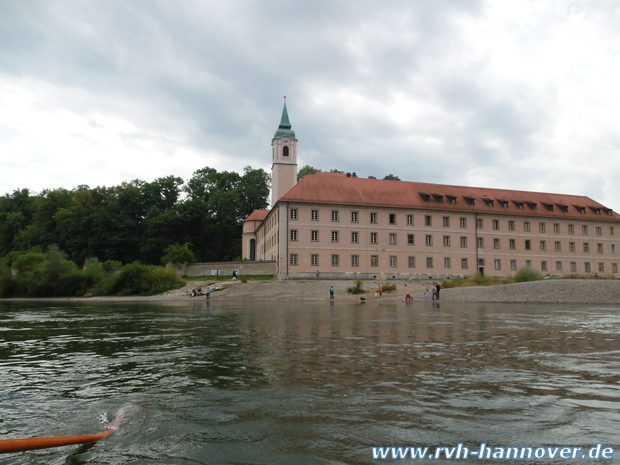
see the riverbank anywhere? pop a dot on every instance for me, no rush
(577, 291)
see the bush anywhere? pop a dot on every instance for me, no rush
(387, 287)
(178, 254)
(526, 274)
(28, 262)
(139, 279)
(357, 288)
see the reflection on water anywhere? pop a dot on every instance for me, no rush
(305, 383)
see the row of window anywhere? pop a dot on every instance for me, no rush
(428, 221)
(447, 263)
(447, 241)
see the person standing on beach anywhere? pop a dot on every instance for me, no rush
(380, 290)
(434, 292)
(331, 292)
(208, 293)
(438, 289)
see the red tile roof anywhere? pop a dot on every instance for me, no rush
(339, 189)
(257, 215)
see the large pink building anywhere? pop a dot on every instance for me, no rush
(343, 226)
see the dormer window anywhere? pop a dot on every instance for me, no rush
(452, 199)
(425, 197)
(564, 208)
(503, 203)
(489, 202)
(470, 201)
(581, 210)
(438, 198)
(548, 206)
(520, 205)
(596, 210)
(532, 205)
(608, 211)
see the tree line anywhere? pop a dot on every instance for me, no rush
(137, 220)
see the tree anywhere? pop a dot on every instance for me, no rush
(176, 253)
(305, 170)
(391, 177)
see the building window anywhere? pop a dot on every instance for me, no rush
(410, 239)
(314, 216)
(429, 262)
(335, 260)
(512, 244)
(392, 218)
(314, 236)
(573, 267)
(411, 261)
(314, 259)
(293, 259)
(613, 248)
(587, 267)
(528, 245)
(374, 260)
(543, 265)
(611, 231)
(511, 225)
(498, 264)
(293, 213)
(584, 230)
(479, 223)
(373, 238)
(586, 247)
(513, 265)
(571, 229)
(496, 243)
(293, 234)
(373, 218)
(447, 263)
(558, 246)
(463, 222)
(446, 241)
(496, 225)
(541, 227)
(599, 231)
(354, 217)
(335, 237)
(601, 268)
(428, 220)
(392, 238)
(614, 267)
(528, 264)
(526, 226)
(410, 220)
(446, 221)
(354, 237)
(393, 261)
(558, 266)
(599, 248)
(543, 245)
(556, 228)
(429, 239)
(335, 215)
(463, 241)
(571, 246)
(355, 260)
(464, 264)
(481, 243)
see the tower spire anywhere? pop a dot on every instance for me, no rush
(284, 129)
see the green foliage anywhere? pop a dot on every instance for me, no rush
(476, 280)
(304, 171)
(176, 253)
(526, 274)
(111, 265)
(387, 287)
(139, 279)
(28, 262)
(357, 288)
(391, 177)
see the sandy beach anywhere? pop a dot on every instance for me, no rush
(579, 291)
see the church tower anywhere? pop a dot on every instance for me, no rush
(284, 161)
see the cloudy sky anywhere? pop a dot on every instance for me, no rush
(519, 94)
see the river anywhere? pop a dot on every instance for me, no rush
(306, 382)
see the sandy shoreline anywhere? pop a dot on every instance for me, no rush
(578, 291)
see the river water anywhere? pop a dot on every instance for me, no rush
(306, 383)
